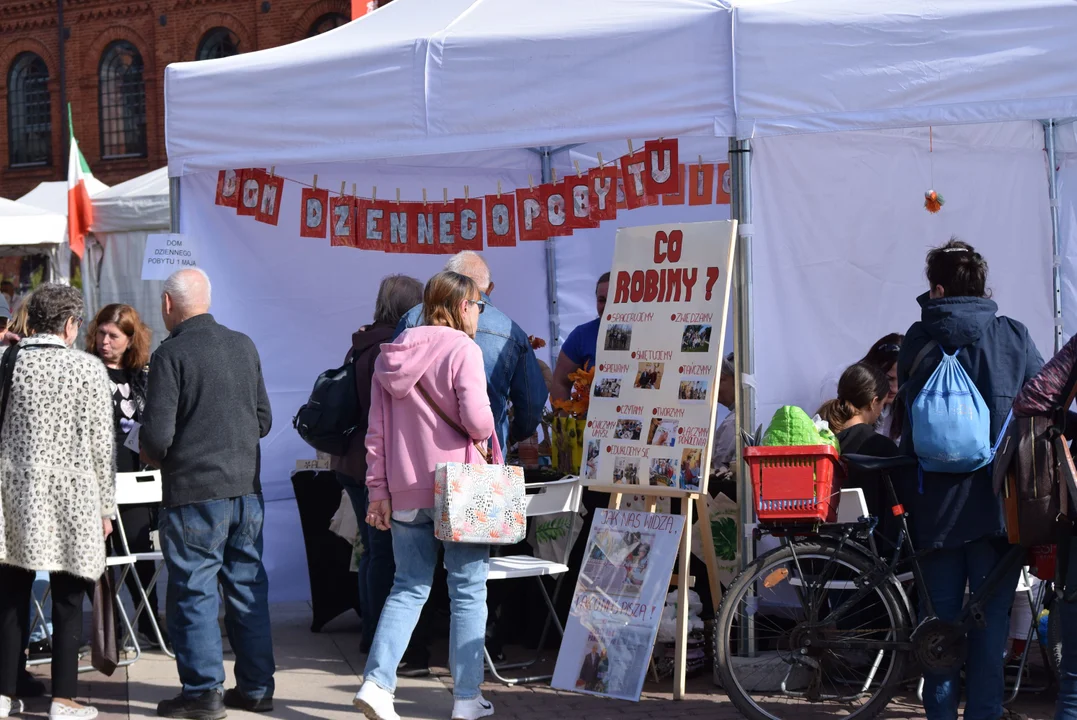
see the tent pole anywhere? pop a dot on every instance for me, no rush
(174, 204)
(1052, 186)
(551, 265)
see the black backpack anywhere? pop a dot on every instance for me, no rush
(331, 415)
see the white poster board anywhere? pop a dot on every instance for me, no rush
(166, 253)
(653, 399)
(618, 603)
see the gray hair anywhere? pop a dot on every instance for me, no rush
(180, 287)
(51, 306)
(396, 295)
(728, 369)
(471, 264)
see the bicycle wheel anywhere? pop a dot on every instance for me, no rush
(783, 605)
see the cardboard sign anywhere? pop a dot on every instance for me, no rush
(651, 417)
(531, 214)
(250, 192)
(617, 606)
(469, 223)
(166, 253)
(272, 197)
(662, 163)
(633, 174)
(725, 184)
(676, 198)
(604, 192)
(501, 220)
(314, 213)
(701, 184)
(342, 217)
(227, 188)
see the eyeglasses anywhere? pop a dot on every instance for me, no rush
(78, 320)
(480, 303)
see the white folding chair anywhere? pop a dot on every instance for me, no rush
(552, 498)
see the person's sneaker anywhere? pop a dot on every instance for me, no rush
(207, 706)
(68, 709)
(375, 702)
(235, 699)
(9, 706)
(413, 670)
(40, 649)
(473, 709)
(28, 686)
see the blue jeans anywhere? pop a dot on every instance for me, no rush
(416, 551)
(946, 572)
(1066, 708)
(376, 565)
(206, 543)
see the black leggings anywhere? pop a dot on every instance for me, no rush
(68, 592)
(138, 522)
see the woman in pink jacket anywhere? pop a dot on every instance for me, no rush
(406, 439)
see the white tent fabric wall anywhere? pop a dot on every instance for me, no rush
(841, 235)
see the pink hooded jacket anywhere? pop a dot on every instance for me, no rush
(405, 438)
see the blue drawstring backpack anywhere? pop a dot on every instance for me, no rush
(951, 424)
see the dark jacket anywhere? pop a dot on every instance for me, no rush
(862, 439)
(366, 346)
(512, 372)
(999, 356)
(207, 409)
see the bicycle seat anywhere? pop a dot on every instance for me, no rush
(868, 463)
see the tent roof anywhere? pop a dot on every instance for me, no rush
(52, 196)
(431, 77)
(138, 204)
(22, 224)
(826, 65)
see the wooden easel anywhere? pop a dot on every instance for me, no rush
(682, 578)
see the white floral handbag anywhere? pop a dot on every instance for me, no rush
(477, 501)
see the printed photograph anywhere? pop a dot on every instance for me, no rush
(608, 386)
(693, 391)
(663, 432)
(628, 429)
(691, 462)
(618, 337)
(664, 472)
(626, 471)
(649, 376)
(590, 460)
(595, 668)
(696, 338)
(617, 564)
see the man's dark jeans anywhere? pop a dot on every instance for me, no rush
(206, 543)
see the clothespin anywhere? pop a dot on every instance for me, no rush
(467, 193)
(272, 171)
(315, 182)
(530, 184)
(601, 165)
(577, 164)
(553, 174)
(398, 196)
(700, 162)
(445, 195)
(354, 192)
(498, 189)
(343, 187)
(424, 196)
(630, 150)
(374, 194)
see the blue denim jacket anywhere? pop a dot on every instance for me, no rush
(512, 372)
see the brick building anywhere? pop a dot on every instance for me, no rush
(116, 52)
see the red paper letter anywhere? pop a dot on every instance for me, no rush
(701, 184)
(578, 196)
(312, 220)
(500, 221)
(676, 198)
(661, 177)
(370, 225)
(250, 192)
(469, 222)
(227, 188)
(633, 171)
(426, 230)
(556, 209)
(445, 227)
(603, 182)
(342, 219)
(531, 217)
(272, 197)
(400, 239)
(725, 184)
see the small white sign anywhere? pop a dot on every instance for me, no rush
(131, 443)
(166, 253)
(301, 465)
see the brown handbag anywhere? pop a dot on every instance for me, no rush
(452, 423)
(104, 653)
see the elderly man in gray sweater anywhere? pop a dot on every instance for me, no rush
(207, 409)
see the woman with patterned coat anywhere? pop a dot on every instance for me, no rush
(57, 489)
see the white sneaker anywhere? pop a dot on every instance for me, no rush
(9, 706)
(375, 702)
(473, 709)
(62, 711)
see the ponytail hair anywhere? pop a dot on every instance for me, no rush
(859, 386)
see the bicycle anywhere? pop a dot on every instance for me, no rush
(826, 626)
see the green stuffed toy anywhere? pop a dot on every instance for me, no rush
(792, 426)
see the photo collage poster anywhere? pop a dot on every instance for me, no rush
(617, 606)
(653, 399)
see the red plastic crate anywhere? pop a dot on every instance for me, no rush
(796, 484)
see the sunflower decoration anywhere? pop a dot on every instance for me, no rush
(933, 201)
(537, 343)
(580, 398)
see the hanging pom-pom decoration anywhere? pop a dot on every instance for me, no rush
(933, 201)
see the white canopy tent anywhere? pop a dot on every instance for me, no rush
(112, 265)
(52, 195)
(442, 93)
(29, 230)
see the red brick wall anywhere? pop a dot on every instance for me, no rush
(93, 24)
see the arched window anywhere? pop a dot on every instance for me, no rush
(327, 22)
(121, 95)
(218, 43)
(29, 112)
